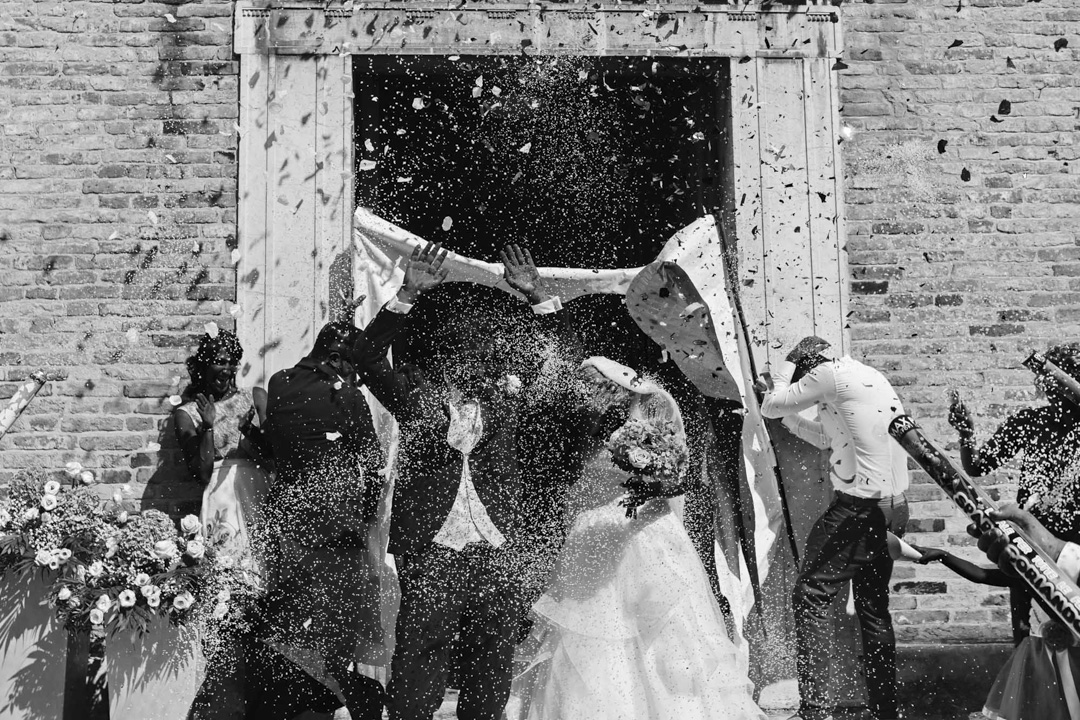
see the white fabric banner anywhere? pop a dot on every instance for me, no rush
(381, 247)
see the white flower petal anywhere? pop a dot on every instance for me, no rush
(175, 400)
(151, 447)
(525, 148)
(447, 223)
(368, 164)
(418, 103)
(153, 217)
(333, 436)
(211, 329)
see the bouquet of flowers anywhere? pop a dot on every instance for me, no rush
(115, 570)
(649, 447)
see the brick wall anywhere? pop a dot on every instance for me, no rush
(963, 209)
(117, 219)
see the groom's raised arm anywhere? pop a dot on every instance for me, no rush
(423, 271)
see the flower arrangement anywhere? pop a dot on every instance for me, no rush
(649, 447)
(115, 570)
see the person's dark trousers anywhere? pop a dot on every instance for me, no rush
(446, 593)
(848, 543)
(277, 689)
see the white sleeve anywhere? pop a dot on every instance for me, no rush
(818, 385)
(551, 305)
(809, 430)
(396, 306)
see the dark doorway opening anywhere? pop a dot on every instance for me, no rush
(589, 162)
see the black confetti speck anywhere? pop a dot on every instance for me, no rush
(965, 175)
(1060, 44)
(941, 146)
(956, 44)
(1004, 108)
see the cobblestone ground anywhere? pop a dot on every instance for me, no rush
(447, 712)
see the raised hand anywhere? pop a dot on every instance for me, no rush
(521, 274)
(348, 310)
(960, 416)
(423, 271)
(207, 410)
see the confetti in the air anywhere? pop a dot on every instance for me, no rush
(114, 234)
(235, 310)
(418, 103)
(447, 223)
(170, 18)
(211, 329)
(176, 400)
(333, 436)
(366, 165)
(152, 447)
(152, 216)
(133, 335)
(234, 256)
(965, 175)
(525, 148)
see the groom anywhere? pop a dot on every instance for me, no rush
(455, 505)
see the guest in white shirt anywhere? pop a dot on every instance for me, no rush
(855, 404)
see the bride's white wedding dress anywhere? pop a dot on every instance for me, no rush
(628, 628)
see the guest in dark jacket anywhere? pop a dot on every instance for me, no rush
(323, 597)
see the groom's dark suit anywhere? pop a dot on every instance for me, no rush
(470, 593)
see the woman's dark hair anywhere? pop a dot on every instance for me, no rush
(209, 348)
(1066, 357)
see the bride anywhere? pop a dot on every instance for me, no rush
(628, 627)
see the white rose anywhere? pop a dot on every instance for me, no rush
(96, 569)
(122, 517)
(30, 514)
(220, 610)
(73, 469)
(190, 524)
(54, 564)
(74, 602)
(86, 477)
(639, 457)
(183, 601)
(42, 558)
(104, 602)
(127, 598)
(52, 488)
(64, 594)
(97, 617)
(62, 554)
(48, 502)
(195, 549)
(165, 549)
(154, 600)
(148, 590)
(142, 580)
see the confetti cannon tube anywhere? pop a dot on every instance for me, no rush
(22, 397)
(1055, 592)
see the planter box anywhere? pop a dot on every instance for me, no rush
(33, 652)
(154, 676)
